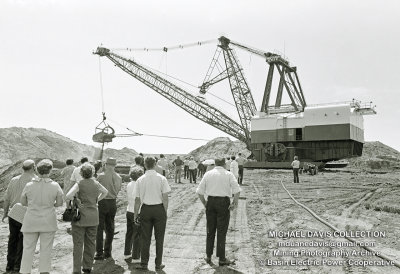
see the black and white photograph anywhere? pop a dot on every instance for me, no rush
(203, 137)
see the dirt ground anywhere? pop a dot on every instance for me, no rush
(339, 197)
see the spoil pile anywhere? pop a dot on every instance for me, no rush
(220, 147)
(22, 143)
(376, 156)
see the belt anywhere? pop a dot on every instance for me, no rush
(217, 197)
(154, 205)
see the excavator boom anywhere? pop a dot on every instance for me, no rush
(185, 100)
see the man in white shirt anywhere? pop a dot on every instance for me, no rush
(234, 167)
(186, 168)
(241, 161)
(132, 236)
(192, 170)
(76, 174)
(228, 164)
(152, 195)
(218, 185)
(163, 163)
(296, 165)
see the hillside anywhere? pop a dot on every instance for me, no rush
(219, 147)
(21, 143)
(376, 156)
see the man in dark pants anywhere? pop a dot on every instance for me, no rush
(107, 209)
(296, 165)
(241, 161)
(132, 236)
(219, 185)
(13, 196)
(152, 195)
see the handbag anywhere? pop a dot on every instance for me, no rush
(71, 213)
(68, 214)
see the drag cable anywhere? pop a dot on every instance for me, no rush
(382, 256)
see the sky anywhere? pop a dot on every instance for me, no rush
(50, 79)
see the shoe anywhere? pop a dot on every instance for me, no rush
(135, 261)
(160, 267)
(107, 256)
(208, 260)
(86, 270)
(142, 267)
(99, 257)
(226, 262)
(127, 257)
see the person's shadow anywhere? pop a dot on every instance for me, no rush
(133, 267)
(222, 269)
(107, 266)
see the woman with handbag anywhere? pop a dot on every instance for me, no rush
(88, 192)
(40, 196)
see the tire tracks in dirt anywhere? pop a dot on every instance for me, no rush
(284, 215)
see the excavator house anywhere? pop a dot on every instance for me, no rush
(275, 132)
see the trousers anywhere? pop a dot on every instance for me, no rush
(218, 215)
(84, 239)
(46, 246)
(240, 175)
(132, 237)
(186, 172)
(107, 211)
(192, 175)
(178, 174)
(296, 175)
(15, 241)
(152, 216)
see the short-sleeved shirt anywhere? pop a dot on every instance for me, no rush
(178, 162)
(241, 161)
(234, 168)
(76, 175)
(131, 196)
(186, 162)
(296, 164)
(192, 164)
(163, 163)
(228, 164)
(15, 188)
(41, 194)
(150, 187)
(218, 182)
(66, 173)
(112, 182)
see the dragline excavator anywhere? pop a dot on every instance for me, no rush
(275, 133)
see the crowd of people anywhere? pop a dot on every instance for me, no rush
(193, 169)
(93, 190)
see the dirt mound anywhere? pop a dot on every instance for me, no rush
(220, 147)
(376, 156)
(21, 143)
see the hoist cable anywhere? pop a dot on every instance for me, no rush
(101, 87)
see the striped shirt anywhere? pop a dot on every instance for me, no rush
(14, 189)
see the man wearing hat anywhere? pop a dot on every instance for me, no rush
(13, 196)
(218, 185)
(107, 209)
